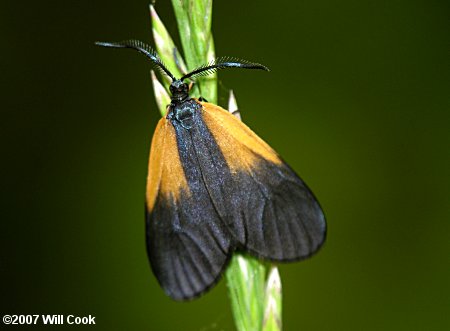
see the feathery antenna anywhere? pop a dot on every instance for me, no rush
(142, 48)
(204, 70)
(222, 63)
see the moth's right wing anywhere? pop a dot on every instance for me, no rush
(270, 210)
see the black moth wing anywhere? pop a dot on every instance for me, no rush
(187, 244)
(269, 210)
(235, 193)
(187, 254)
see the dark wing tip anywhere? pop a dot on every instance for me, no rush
(186, 259)
(288, 256)
(182, 296)
(284, 222)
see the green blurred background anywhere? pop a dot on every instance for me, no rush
(357, 101)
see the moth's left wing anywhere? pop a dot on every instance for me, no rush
(187, 243)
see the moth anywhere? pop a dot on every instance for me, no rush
(215, 187)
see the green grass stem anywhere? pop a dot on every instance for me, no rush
(255, 299)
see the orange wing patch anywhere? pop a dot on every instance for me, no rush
(165, 172)
(239, 144)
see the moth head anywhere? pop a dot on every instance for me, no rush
(179, 90)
